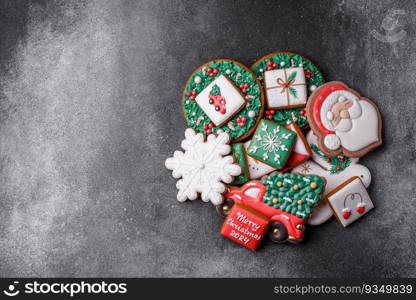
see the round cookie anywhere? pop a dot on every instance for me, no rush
(223, 95)
(282, 60)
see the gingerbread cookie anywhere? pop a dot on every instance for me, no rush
(350, 201)
(257, 169)
(204, 166)
(335, 169)
(344, 122)
(272, 144)
(280, 202)
(223, 95)
(301, 151)
(288, 79)
(239, 153)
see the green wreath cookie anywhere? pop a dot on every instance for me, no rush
(287, 87)
(223, 95)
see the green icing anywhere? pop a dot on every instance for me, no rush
(293, 193)
(271, 144)
(337, 163)
(240, 158)
(286, 116)
(253, 96)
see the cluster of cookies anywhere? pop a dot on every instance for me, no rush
(245, 150)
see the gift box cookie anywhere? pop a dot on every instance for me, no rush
(272, 144)
(285, 88)
(350, 201)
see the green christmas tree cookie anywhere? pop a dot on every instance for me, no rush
(293, 193)
(271, 144)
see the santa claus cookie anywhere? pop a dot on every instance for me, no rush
(288, 79)
(204, 166)
(344, 122)
(223, 95)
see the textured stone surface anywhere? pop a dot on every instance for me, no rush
(89, 111)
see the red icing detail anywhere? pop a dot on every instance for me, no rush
(211, 74)
(216, 71)
(245, 226)
(316, 109)
(270, 117)
(274, 65)
(209, 70)
(242, 196)
(346, 214)
(270, 63)
(295, 159)
(360, 209)
(205, 127)
(211, 125)
(209, 131)
(218, 101)
(272, 112)
(269, 68)
(338, 168)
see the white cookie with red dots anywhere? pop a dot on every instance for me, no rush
(350, 201)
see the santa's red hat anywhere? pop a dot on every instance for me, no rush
(322, 114)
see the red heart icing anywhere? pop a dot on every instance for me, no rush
(346, 214)
(360, 209)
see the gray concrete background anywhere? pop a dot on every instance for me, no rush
(90, 110)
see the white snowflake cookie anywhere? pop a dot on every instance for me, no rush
(204, 166)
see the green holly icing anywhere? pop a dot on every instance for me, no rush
(337, 163)
(197, 119)
(237, 151)
(293, 193)
(284, 117)
(271, 144)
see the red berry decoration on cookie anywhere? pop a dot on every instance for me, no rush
(220, 92)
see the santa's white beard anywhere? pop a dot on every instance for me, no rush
(363, 130)
(344, 125)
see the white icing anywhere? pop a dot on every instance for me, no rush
(233, 98)
(274, 95)
(364, 129)
(312, 88)
(350, 197)
(197, 79)
(203, 167)
(228, 71)
(332, 141)
(300, 147)
(330, 115)
(251, 113)
(329, 101)
(282, 63)
(257, 169)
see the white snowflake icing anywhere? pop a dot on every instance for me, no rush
(203, 167)
(270, 143)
